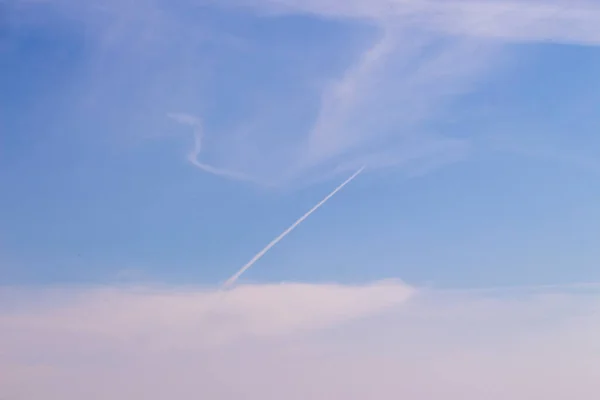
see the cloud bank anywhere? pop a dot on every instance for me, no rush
(383, 340)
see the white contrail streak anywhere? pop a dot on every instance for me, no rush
(261, 253)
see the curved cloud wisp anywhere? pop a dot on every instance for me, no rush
(369, 97)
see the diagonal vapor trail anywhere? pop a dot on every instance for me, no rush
(261, 253)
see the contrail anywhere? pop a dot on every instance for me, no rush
(261, 253)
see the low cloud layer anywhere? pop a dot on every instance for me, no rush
(385, 340)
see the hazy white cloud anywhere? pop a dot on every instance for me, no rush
(516, 20)
(384, 340)
(379, 110)
(246, 310)
(375, 113)
(428, 54)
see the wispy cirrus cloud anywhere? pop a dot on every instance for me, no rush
(373, 114)
(428, 53)
(268, 119)
(521, 20)
(322, 341)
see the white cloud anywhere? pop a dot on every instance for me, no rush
(378, 107)
(246, 310)
(379, 110)
(428, 55)
(525, 20)
(300, 341)
(374, 114)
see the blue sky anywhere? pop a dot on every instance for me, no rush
(480, 141)
(149, 148)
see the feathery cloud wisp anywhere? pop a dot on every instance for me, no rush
(428, 54)
(284, 121)
(561, 21)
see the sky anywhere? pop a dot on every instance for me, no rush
(150, 148)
